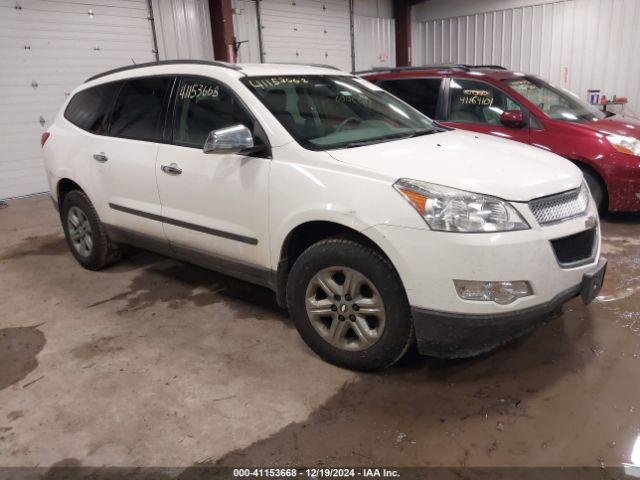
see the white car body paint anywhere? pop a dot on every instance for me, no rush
(267, 199)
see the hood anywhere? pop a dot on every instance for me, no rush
(469, 161)
(617, 124)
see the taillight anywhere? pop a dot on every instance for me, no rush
(45, 136)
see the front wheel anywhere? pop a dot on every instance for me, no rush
(349, 305)
(597, 191)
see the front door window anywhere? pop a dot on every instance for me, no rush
(471, 101)
(478, 106)
(202, 106)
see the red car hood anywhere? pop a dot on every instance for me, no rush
(617, 124)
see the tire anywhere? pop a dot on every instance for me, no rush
(359, 341)
(97, 253)
(597, 190)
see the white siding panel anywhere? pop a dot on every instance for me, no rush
(47, 48)
(183, 29)
(418, 42)
(373, 8)
(374, 34)
(245, 28)
(307, 31)
(374, 42)
(577, 44)
(471, 39)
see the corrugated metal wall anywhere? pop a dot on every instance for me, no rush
(374, 34)
(307, 31)
(183, 29)
(374, 42)
(578, 44)
(316, 31)
(245, 29)
(46, 50)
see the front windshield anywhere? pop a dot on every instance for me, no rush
(324, 112)
(555, 103)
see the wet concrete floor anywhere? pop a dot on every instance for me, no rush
(154, 362)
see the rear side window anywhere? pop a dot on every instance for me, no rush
(421, 93)
(89, 108)
(138, 110)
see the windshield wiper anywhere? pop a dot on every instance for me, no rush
(424, 131)
(371, 141)
(396, 136)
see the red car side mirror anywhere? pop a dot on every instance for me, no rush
(512, 119)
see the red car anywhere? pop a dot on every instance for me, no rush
(490, 99)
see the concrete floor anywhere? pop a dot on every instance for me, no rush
(158, 363)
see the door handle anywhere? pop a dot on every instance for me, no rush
(172, 169)
(100, 157)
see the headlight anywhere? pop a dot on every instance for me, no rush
(624, 144)
(450, 210)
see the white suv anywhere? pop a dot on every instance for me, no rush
(374, 225)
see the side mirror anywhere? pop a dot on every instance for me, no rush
(228, 140)
(512, 119)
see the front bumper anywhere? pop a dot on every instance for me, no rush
(622, 176)
(450, 335)
(428, 262)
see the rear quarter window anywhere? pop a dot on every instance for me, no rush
(138, 112)
(90, 108)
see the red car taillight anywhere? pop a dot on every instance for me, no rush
(45, 136)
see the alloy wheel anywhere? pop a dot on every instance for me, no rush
(345, 308)
(80, 231)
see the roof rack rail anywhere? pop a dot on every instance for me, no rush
(302, 64)
(492, 67)
(212, 63)
(441, 66)
(436, 66)
(323, 65)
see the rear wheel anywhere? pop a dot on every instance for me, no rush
(349, 305)
(85, 234)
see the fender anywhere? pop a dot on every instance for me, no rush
(335, 214)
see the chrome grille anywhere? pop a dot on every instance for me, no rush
(560, 207)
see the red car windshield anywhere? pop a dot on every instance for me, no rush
(555, 103)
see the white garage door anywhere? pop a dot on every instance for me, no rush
(306, 31)
(48, 47)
